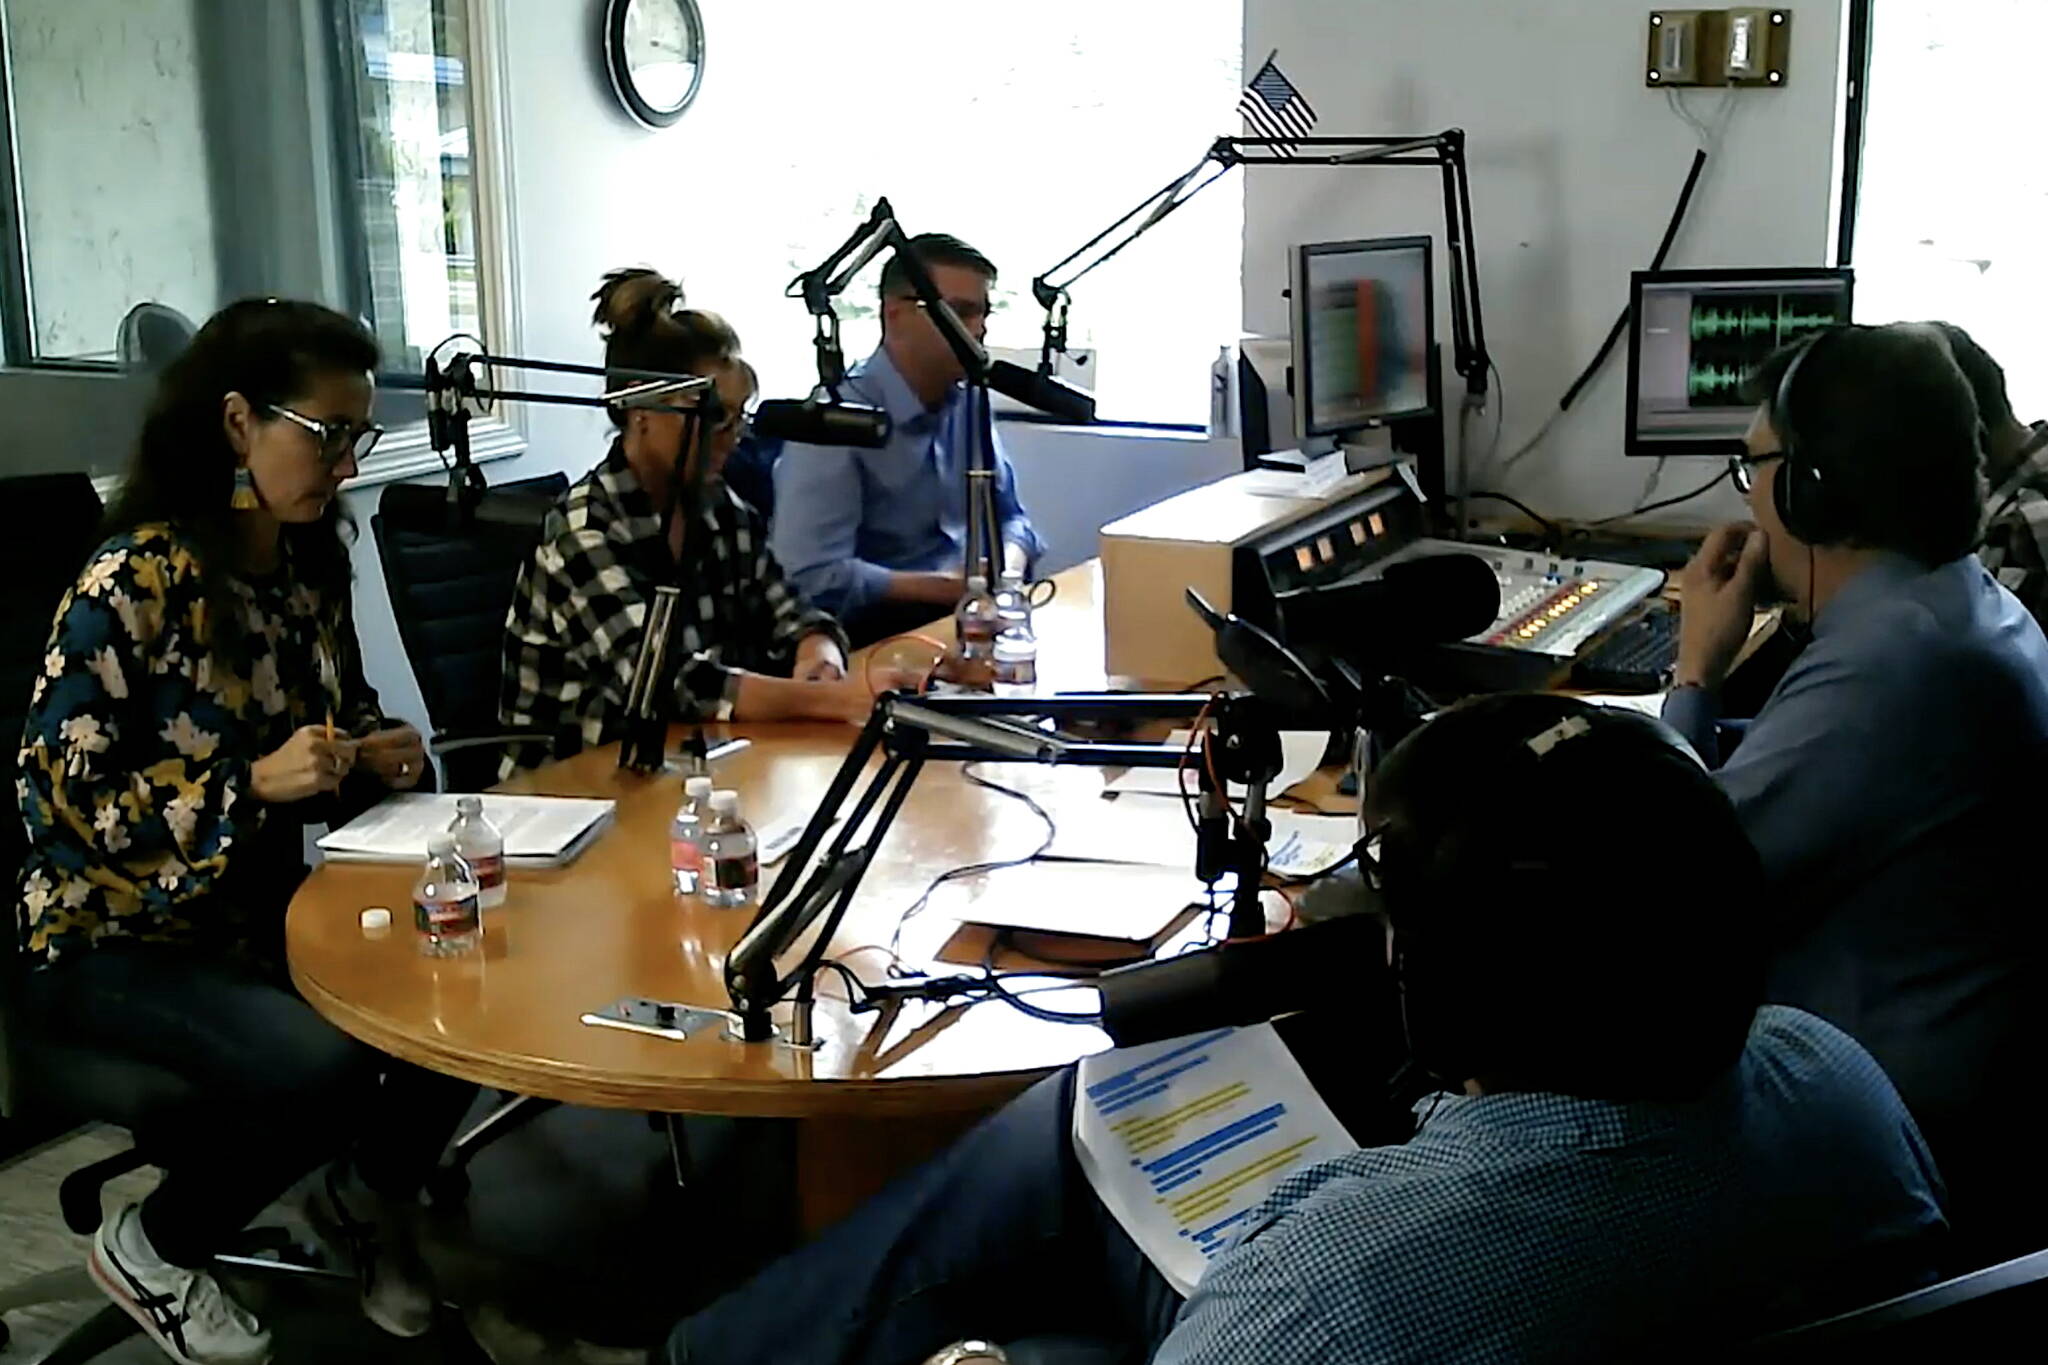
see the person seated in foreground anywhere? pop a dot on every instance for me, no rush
(1891, 774)
(741, 630)
(1628, 1151)
(879, 537)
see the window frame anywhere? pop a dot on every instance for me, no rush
(406, 451)
(1855, 106)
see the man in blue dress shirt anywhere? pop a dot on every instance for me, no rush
(1892, 781)
(878, 538)
(1630, 1157)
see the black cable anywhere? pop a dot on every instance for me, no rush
(1015, 1001)
(1692, 180)
(1550, 528)
(917, 907)
(1709, 486)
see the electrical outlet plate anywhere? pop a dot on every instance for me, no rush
(1748, 47)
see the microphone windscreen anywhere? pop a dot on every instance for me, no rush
(1043, 392)
(809, 422)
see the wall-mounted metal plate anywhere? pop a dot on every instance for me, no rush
(1749, 46)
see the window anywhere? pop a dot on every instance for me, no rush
(1954, 189)
(1024, 129)
(187, 153)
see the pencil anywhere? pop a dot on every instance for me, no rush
(330, 726)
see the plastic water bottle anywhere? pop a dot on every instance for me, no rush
(974, 620)
(1016, 647)
(480, 844)
(732, 861)
(445, 905)
(686, 835)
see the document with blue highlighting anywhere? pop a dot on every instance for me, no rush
(1181, 1140)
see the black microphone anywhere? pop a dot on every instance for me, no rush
(1267, 668)
(1432, 600)
(1241, 983)
(809, 422)
(1051, 396)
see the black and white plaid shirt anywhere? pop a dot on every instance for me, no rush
(2016, 528)
(573, 631)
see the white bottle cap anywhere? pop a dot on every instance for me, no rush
(375, 919)
(697, 788)
(440, 843)
(469, 805)
(726, 803)
(976, 583)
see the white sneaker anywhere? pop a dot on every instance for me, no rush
(186, 1312)
(396, 1287)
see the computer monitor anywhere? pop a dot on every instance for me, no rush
(1364, 334)
(1695, 337)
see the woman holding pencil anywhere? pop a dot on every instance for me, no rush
(202, 699)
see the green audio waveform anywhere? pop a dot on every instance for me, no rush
(1792, 322)
(1712, 381)
(1709, 324)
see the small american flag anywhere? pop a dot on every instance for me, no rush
(1274, 108)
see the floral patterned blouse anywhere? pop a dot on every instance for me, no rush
(136, 757)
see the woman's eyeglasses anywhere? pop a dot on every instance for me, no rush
(339, 440)
(1742, 468)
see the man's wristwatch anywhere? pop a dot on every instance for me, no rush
(966, 1352)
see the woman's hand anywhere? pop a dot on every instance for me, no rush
(306, 765)
(819, 659)
(397, 755)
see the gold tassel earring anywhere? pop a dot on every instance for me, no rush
(244, 499)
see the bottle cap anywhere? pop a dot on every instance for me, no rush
(726, 803)
(976, 583)
(375, 918)
(440, 843)
(469, 805)
(697, 788)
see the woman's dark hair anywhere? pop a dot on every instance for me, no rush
(183, 470)
(646, 327)
(1888, 418)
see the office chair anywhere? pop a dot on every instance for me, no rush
(450, 588)
(151, 336)
(1986, 1314)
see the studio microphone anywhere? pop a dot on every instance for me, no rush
(1042, 392)
(807, 421)
(1233, 984)
(1431, 600)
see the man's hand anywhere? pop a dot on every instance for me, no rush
(1718, 593)
(819, 659)
(307, 764)
(396, 755)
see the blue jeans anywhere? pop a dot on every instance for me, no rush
(999, 1238)
(275, 1091)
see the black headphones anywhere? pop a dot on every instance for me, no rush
(1456, 1005)
(1809, 508)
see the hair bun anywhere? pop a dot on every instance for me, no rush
(634, 300)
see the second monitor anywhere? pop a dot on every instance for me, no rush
(1364, 316)
(1695, 337)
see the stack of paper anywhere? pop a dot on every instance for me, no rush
(540, 831)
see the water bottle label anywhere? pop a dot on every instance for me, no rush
(489, 869)
(735, 874)
(1016, 672)
(685, 855)
(447, 915)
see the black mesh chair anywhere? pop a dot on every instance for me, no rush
(450, 579)
(1988, 1314)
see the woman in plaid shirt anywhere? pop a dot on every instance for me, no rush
(751, 647)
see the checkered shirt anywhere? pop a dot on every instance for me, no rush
(573, 631)
(2016, 529)
(1539, 1227)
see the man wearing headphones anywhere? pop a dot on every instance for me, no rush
(1898, 764)
(1629, 1153)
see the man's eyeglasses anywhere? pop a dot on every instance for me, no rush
(968, 311)
(338, 439)
(1742, 468)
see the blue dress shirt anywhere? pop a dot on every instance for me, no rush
(1536, 1227)
(846, 518)
(1886, 783)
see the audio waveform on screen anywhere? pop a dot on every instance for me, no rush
(1733, 333)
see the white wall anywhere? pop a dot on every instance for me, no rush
(1575, 168)
(106, 105)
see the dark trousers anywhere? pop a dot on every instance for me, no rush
(275, 1090)
(999, 1238)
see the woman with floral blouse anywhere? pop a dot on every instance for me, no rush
(201, 701)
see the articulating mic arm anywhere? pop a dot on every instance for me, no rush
(1445, 150)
